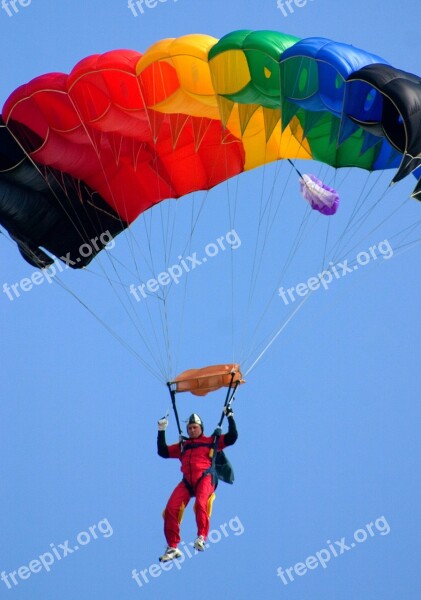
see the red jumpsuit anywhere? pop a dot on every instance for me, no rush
(195, 460)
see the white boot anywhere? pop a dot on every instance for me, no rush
(170, 554)
(199, 544)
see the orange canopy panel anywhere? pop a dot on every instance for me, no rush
(208, 379)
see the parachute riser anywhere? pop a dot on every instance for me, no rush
(232, 388)
(229, 397)
(174, 407)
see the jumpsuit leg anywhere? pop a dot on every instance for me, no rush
(173, 514)
(203, 506)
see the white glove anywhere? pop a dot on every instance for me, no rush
(162, 424)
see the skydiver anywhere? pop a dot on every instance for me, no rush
(195, 454)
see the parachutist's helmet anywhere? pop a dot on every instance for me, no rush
(194, 418)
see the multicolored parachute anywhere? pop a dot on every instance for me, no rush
(123, 131)
(46, 207)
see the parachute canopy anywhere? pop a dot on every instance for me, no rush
(124, 131)
(50, 208)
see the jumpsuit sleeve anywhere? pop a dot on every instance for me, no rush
(165, 451)
(228, 439)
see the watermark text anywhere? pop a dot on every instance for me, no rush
(333, 550)
(11, 7)
(138, 5)
(56, 553)
(155, 570)
(39, 276)
(174, 273)
(325, 278)
(283, 5)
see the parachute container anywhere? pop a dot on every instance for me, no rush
(207, 379)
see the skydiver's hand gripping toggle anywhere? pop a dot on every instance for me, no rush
(163, 423)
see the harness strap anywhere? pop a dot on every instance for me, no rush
(192, 489)
(189, 446)
(210, 470)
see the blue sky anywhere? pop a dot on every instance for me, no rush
(328, 419)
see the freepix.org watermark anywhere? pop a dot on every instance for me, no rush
(336, 548)
(39, 276)
(56, 553)
(174, 273)
(325, 278)
(155, 570)
(138, 5)
(284, 4)
(11, 7)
